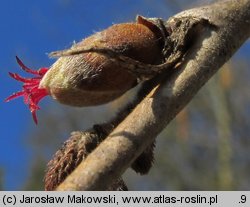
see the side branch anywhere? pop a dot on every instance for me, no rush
(128, 140)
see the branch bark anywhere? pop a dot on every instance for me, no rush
(128, 140)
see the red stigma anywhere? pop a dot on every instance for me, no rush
(31, 92)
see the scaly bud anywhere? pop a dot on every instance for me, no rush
(93, 78)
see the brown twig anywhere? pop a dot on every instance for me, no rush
(81, 143)
(128, 140)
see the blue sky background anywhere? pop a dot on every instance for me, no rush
(30, 29)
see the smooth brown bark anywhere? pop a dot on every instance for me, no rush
(128, 140)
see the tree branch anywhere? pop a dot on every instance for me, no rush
(128, 140)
